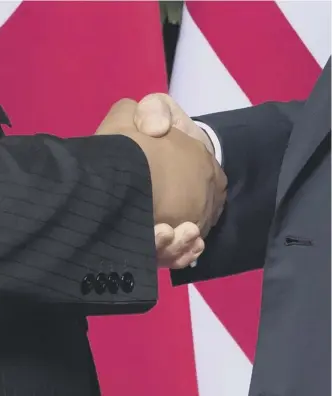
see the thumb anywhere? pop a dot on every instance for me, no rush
(153, 115)
(164, 235)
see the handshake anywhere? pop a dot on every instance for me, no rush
(188, 185)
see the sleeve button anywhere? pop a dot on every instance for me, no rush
(127, 282)
(113, 282)
(87, 284)
(100, 283)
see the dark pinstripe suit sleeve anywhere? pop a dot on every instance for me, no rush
(253, 142)
(68, 208)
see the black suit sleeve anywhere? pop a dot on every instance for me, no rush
(253, 142)
(69, 208)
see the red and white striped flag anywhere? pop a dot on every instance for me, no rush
(230, 55)
(64, 63)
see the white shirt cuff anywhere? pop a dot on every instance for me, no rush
(214, 139)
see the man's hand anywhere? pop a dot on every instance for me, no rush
(186, 180)
(179, 247)
(157, 113)
(187, 186)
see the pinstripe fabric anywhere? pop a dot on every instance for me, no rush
(68, 208)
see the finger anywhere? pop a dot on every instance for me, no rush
(190, 256)
(119, 118)
(164, 235)
(153, 116)
(157, 113)
(184, 237)
(169, 258)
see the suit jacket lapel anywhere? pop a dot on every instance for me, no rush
(308, 132)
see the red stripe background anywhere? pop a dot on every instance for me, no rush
(259, 48)
(62, 66)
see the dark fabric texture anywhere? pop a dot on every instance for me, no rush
(278, 217)
(68, 208)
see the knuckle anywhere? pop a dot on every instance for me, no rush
(153, 97)
(125, 101)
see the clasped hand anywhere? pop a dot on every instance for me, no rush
(188, 186)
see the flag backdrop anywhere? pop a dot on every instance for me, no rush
(233, 54)
(64, 63)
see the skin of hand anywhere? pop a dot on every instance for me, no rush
(156, 115)
(185, 178)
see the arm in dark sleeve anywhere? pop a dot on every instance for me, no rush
(69, 208)
(253, 142)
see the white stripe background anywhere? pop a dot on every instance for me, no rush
(201, 84)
